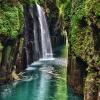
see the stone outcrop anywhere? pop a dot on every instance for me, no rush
(84, 52)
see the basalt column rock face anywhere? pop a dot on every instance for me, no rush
(11, 55)
(76, 73)
(32, 34)
(28, 31)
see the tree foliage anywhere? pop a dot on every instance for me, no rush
(11, 19)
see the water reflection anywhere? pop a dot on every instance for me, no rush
(44, 83)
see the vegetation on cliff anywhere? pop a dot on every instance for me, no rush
(84, 44)
(11, 19)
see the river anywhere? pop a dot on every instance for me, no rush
(45, 82)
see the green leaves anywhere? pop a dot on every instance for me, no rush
(10, 24)
(89, 5)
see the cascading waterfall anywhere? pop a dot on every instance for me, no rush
(45, 37)
(42, 43)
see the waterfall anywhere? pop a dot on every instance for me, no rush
(37, 31)
(45, 35)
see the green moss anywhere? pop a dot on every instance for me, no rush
(1, 47)
(11, 20)
(81, 35)
(92, 6)
(97, 9)
(74, 23)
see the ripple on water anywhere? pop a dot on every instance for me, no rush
(47, 82)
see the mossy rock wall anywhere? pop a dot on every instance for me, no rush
(13, 46)
(84, 39)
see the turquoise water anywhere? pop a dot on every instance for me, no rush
(47, 82)
(72, 96)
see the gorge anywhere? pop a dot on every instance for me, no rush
(49, 49)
